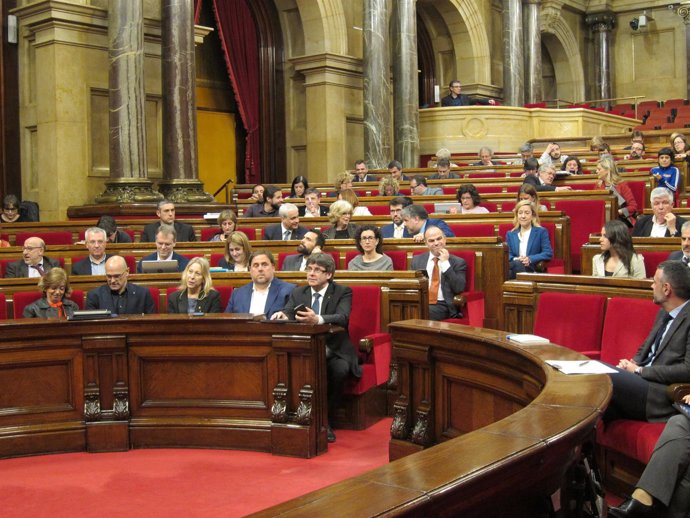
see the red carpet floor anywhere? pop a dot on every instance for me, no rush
(178, 483)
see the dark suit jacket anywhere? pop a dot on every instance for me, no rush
(330, 232)
(644, 224)
(533, 180)
(134, 301)
(275, 232)
(323, 210)
(278, 293)
(181, 261)
(538, 245)
(184, 232)
(434, 223)
(20, 268)
(671, 363)
(335, 309)
(453, 280)
(177, 302)
(83, 267)
(292, 263)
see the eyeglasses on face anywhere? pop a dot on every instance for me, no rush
(367, 238)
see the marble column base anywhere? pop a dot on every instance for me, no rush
(184, 190)
(128, 190)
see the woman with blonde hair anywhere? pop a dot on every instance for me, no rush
(339, 216)
(608, 178)
(237, 252)
(227, 223)
(195, 293)
(343, 181)
(528, 242)
(55, 302)
(389, 186)
(349, 196)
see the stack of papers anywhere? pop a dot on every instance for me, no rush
(528, 339)
(581, 367)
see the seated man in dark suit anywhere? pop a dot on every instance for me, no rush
(362, 173)
(273, 199)
(119, 296)
(684, 253)
(664, 487)
(544, 179)
(33, 263)
(397, 228)
(266, 294)
(446, 274)
(416, 220)
(166, 215)
(329, 303)
(663, 223)
(288, 228)
(312, 207)
(395, 168)
(639, 388)
(115, 235)
(165, 246)
(313, 242)
(96, 241)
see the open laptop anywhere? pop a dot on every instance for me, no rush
(167, 266)
(444, 208)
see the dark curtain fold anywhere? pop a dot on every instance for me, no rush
(237, 32)
(197, 11)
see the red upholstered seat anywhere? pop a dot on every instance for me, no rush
(365, 322)
(249, 231)
(378, 210)
(3, 307)
(634, 439)
(472, 229)
(21, 299)
(572, 320)
(623, 335)
(50, 238)
(78, 297)
(586, 217)
(652, 260)
(156, 294)
(215, 259)
(638, 192)
(208, 233)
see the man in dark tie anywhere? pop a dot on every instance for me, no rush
(32, 263)
(639, 388)
(684, 253)
(288, 228)
(326, 302)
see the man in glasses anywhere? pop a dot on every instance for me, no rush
(325, 302)
(33, 263)
(119, 296)
(456, 98)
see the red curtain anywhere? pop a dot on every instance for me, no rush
(237, 33)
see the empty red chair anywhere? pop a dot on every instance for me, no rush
(472, 229)
(3, 307)
(572, 320)
(377, 210)
(652, 260)
(586, 217)
(208, 233)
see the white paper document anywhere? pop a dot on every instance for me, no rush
(581, 367)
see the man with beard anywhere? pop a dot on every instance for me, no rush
(266, 294)
(552, 155)
(313, 242)
(684, 253)
(273, 199)
(396, 229)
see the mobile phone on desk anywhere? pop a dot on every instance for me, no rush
(300, 307)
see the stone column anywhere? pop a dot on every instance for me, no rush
(534, 91)
(684, 12)
(377, 87)
(127, 140)
(180, 162)
(513, 54)
(406, 84)
(601, 25)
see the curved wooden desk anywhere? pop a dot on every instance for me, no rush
(218, 381)
(504, 428)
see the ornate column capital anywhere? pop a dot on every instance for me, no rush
(601, 22)
(684, 12)
(549, 14)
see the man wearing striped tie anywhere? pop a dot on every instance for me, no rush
(33, 263)
(323, 301)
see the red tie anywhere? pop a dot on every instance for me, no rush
(39, 268)
(435, 282)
